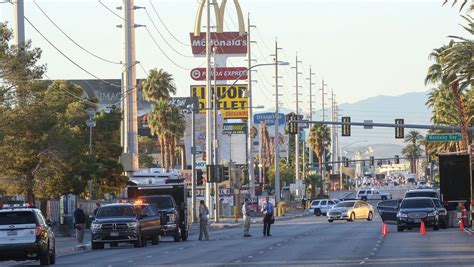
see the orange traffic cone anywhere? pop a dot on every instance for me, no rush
(422, 228)
(384, 229)
(461, 225)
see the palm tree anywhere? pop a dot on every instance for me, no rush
(319, 140)
(158, 123)
(463, 3)
(454, 68)
(158, 85)
(413, 150)
(266, 152)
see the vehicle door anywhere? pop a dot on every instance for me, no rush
(146, 220)
(369, 194)
(376, 194)
(17, 227)
(364, 209)
(356, 210)
(155, 219)
(330, 205)
(323, 206)
(388, 210)
(315, 204)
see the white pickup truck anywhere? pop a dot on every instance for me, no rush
(366, 194)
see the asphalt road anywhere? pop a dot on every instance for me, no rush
(307, 240)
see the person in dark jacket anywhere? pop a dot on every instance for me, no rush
(267, 210)
(80, 224)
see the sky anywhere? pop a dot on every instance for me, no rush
(360, 48)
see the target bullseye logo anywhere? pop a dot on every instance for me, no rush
(197, 74)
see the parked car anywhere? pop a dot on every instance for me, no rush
(322, 206)
(26, 235)
(351, 210)
(422, 193)
(414, 210)
(366, 194)
(126, 223)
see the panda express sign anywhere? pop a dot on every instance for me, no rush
(232, 100)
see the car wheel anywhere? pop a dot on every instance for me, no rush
(330, 221)
(351, 218)
(177, 234)
(370, 217)
(44, 258)
(113, 244)
(436, 228)
(52, 257)
(155, 240)
(399, 229)
(317, 212)
(96, 245)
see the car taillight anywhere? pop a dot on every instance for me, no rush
(39, 229)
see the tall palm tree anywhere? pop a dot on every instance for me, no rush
(413, 148)
(158, 122)
(454, 68)
(158, 85)
(319, 140)
(266, 152)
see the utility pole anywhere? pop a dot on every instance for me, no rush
(250, 160)
(323, 168)
(209, 156)
(129, 104)
(216, 140)
(310, 109)
(276, 140)
(297, 136)
(333, 130)
(193, 156)
(19, 22)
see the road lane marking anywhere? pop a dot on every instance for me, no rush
(250, 257)
(130, 261)
(260, 252)
(149, 256)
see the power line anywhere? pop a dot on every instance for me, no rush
(163, 52)
(110, 10)
(72, 40)
(162, 37)
(162, 22)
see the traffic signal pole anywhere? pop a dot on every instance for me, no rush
(193, 175)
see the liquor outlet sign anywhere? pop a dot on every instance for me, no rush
(232, 100)
(225, 42)
(221, 74)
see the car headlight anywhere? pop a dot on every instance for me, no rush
(402, 215)
(431, 214)
(96, 226)
(132, 224)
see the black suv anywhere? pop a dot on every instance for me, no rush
(414, 210)
(173, 219)
(126, 223)
(26, 235)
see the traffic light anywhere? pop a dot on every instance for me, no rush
(346, 129)
(397, 159)
(346, 161)
(372, 161)
(399, 131)
(225, 173)
(211, 173)
(293, 126)
(199, 180)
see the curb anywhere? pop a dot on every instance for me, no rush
(73, 250)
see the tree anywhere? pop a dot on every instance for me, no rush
(147, 147)
(158, 85)
(454, 68)
(413, 150)
(319, 140)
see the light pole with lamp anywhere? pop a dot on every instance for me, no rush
(91, 124)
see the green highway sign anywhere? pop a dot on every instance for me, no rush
(444, 137)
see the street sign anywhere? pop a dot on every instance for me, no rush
(444, 137)
(222, 74)
(90, 123)
(268, 118)
(185, 104)
(234, 128)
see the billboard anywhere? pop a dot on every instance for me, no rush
(224, 42)
(268, 118)
(234, 128)
(221, 74)
(233, 101)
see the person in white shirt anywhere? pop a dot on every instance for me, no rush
(203, 213)
(246, 209)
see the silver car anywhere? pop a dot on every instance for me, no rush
(351, 210)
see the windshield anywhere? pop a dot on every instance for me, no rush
(18, 217)
(116, 211)
(417, 203)
(430, 194)
(161, 202)
(345, 205)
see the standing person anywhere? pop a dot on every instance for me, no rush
(97, 206)
(268, 217)
(246, 209)
(303, 203)
(203, 213)
(80, 224)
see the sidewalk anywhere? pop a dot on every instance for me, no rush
(68, 245)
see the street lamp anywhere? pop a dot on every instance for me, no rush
(91, 124)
